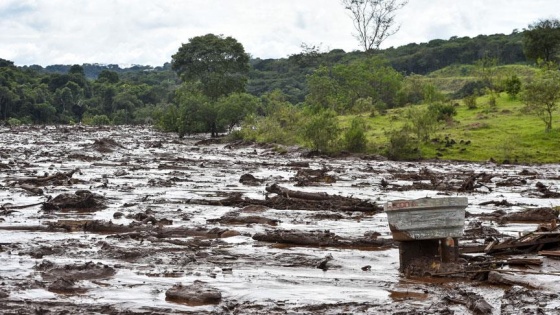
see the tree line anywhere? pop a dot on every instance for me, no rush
(211, 84)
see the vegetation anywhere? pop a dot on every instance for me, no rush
(542, 94)
(460, 99)
(542, 40)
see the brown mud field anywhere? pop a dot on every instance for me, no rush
(131, 221)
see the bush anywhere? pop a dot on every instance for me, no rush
(14, 122)
(97, 120)
(442, 111)
(471, 88)
(402, 146)
(470, 101)
(512, 86)
(421, 122)
(321, 131)
(355, 137)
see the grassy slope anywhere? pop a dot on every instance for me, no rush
(505, 133)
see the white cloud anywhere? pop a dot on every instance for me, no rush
(149, 32)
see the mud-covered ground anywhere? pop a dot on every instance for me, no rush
(132, 221)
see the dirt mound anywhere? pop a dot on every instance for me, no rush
(105, 145)
(197, 294)
(81, 199)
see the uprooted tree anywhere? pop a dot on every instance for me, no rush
(374, 20)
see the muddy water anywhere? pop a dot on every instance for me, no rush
(158, 175)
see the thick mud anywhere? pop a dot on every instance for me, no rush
(132, 221)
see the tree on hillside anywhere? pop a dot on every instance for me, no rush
(541, 96)
(374, 20)
(218, 63)
(348, 87)
(541, 40)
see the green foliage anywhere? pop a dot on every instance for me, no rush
(542, 40)
(282, 126)
(354, 138)
(108, 76)
(417, 89)
(97, 120)
(218, 63)
(470, 101)
(442, 111)
(321, 131)
(196, 112)
(512, 85)
(402, 146)
(14, 122)
(234, 108)
(423, 58)
(167, 118)
(422, 122)
(541, 96)
(343, 86)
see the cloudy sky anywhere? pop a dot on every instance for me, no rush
(148, 32)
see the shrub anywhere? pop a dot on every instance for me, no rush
(14, 122)
(512, 86)
(421, 122)
(402, 146)
(355, 137)
(442, 111)
(99, 120)
(321, 131)
(470, 101)
(471, 88)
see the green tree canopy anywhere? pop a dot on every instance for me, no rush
(542, 40)
(542, 95)
(218, 63)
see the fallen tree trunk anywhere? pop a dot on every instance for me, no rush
(509, 279)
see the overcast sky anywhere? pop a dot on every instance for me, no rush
(148, 32)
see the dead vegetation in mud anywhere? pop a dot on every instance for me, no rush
(97, 220)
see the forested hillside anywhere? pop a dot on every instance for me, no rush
(325, 100)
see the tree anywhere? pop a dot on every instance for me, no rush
(234, 108)
(347, 86)
(7, 101)
(541, 40)
(374, 20)
(218, 63)
(541, 96)
(321, 130)
(108, 76)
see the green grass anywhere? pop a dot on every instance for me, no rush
(505, 133)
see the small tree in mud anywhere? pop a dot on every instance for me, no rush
(321, 131)
(355, 137)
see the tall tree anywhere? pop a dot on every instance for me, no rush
(218, 63)
(374, 20)
(541, 40)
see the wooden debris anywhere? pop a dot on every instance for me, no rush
(550, 253)
(496, 277)
(524, 261)
(530, 242)
(284, 192)
(546, 192)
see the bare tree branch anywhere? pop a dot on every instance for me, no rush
(374, 20)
